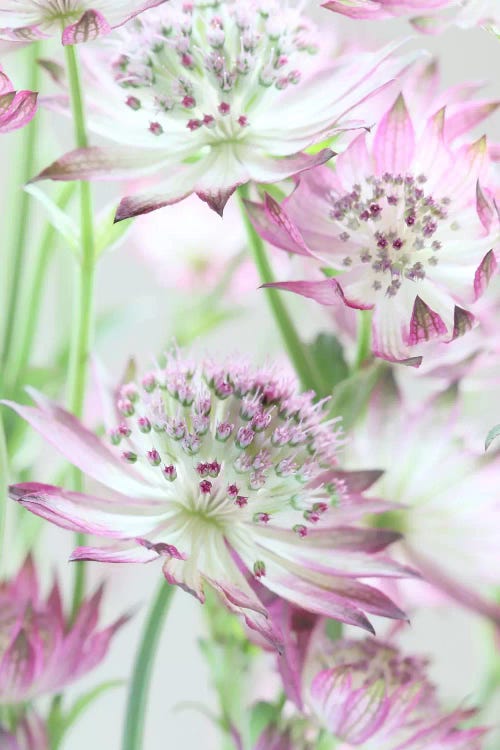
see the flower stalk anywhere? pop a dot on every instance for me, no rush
(298, 354)
(4, 473)
(135, 714)
(83, 319)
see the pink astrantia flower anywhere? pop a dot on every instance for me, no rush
(17, 108)
(80, 20)
(39, 651)
(450, 496)
(225, 473)
(367, 693)
(407, 224)
(211, 95)
(29, 734)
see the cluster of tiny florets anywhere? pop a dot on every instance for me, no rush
(230, 443)
(396, 224)
(205, 66)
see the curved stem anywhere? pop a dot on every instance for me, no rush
(26, 172)
(83, 318)
(21, 349)
(364, 338)
(135, 714)
(297, 351)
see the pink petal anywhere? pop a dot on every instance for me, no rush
(325, 292)
(355, 481)
(217, 199)
(466, 116)
(81, 447)
(463, 322)
(95, 163)
(484, 272)
(266, 227)
(122, 553)
(425, 324)
(86, 513)
(484, 208)
(20, 111)
(91, 25)
(394, 143)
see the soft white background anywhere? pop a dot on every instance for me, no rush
(452, 637)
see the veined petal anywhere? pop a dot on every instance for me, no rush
(325, 292)
(394, 144)
(20, 111)
(119, 519)
(84, 449)
(96, 163)
(91, 25)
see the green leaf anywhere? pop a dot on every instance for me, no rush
(108, 234)
(60, 220)
(328, 355)
(350, 397)
(491, 436)
(60, 721)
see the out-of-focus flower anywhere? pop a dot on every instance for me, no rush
(367, 693)
(451, 511)
(17, 108)
(426, 13)
(188, 261)
(80, 20)
(406, 225)
(383, 9)
(225, 473)
(29, 734)
(39, 651)
(212, 95)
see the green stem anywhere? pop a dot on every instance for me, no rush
(364, 338)
(26, 172)
(295, 348)
(21, 348)
(4, 490)
(83, 319)
(135, 714)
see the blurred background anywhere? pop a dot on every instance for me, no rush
(147, 293)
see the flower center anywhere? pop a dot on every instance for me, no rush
(395, 225)
(206, 67)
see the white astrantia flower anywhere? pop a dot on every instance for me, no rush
(79, 20)
(210, 95)
(227, 475)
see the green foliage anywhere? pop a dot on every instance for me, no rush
(350, 397)
(328, 356)
(60, 720)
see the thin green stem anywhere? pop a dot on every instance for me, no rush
(21, 348)
(135, 714)
(364, 338)
(26, 172)
(295, 348)
(4, 490)
(83, 318)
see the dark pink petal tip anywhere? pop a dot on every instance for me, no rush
(91, 25)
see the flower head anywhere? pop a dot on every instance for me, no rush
(407, 225)
(28, 734)
(17, 108)
(449, 494)
(39, 651)
(211, 95)
(226, 473)
(81, 20)
(367, 693)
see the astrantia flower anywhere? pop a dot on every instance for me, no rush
(367, 693)
(39, 651)
(451, 511)
(211, 95)
(225, 473)
(29, 734)
(406, 224)
(17, 108)
(80, 20)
